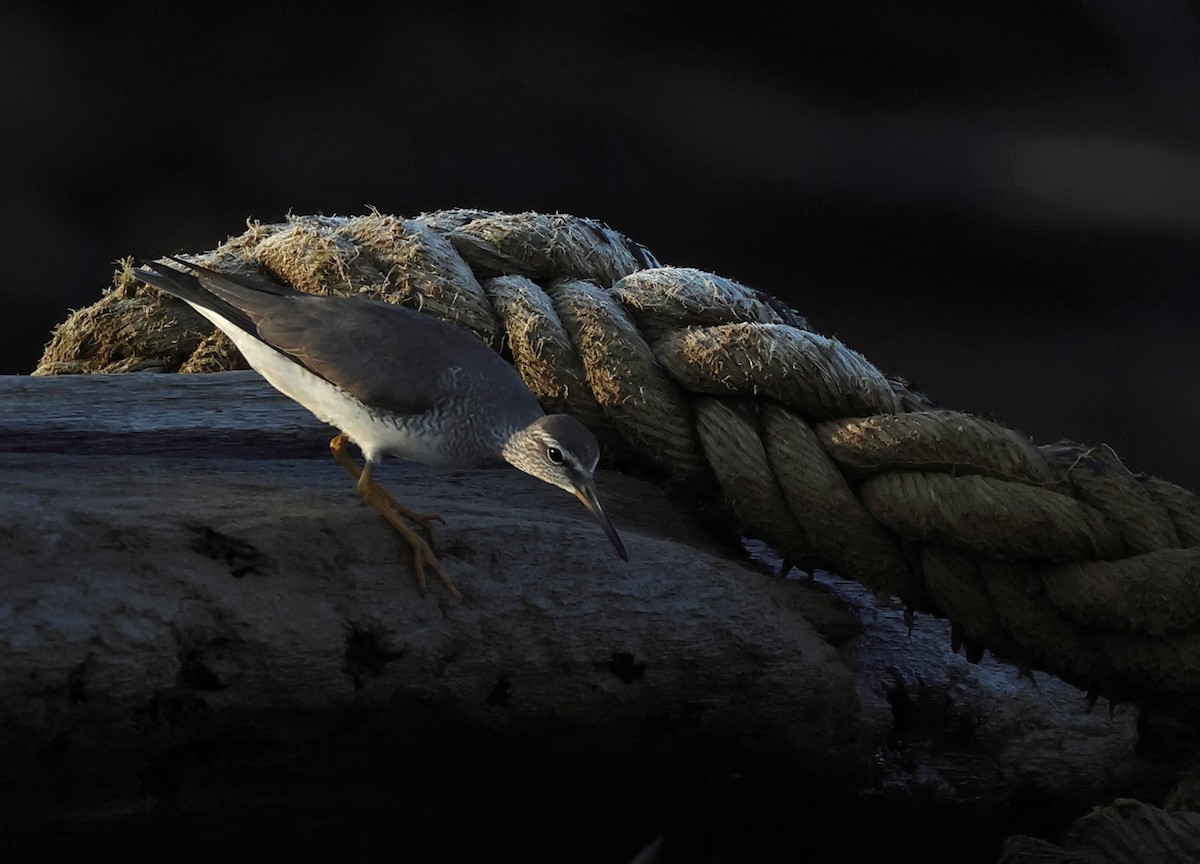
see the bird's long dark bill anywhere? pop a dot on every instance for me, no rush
(587, 495)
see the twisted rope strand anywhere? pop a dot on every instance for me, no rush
(1057, 556)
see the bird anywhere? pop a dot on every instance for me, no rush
(393, 381)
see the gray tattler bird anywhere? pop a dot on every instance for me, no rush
(393, 381)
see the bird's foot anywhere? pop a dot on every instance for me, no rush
(423, 556)
(395, 513)
(425, 520)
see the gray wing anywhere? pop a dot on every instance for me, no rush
(384, 355)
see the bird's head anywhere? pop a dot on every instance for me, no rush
(561, 451)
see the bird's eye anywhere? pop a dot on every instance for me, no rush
(554, 455)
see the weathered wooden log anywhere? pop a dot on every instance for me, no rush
(1125, 832)
(199, 620)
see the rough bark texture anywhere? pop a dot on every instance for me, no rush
(202, 630)
(1127, 832)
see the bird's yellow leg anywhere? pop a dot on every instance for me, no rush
(395, 513)
(339, 447)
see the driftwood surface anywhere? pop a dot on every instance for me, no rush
(201, 625)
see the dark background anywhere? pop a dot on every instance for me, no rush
(997, 201)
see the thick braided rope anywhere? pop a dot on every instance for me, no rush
(1056, 557)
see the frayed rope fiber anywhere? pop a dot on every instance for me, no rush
(1055, 557)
